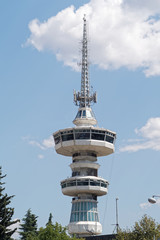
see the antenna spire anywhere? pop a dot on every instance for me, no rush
(84, 98)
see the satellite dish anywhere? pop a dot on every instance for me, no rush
(152, 200)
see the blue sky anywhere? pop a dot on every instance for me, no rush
(39, 51)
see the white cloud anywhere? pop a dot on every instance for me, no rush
(151, 130)
(145, 205)
(149, 5)
(48, 143)
(37, 144)
(43, 145)
(40, 156)
(150, 134)
(121, 36)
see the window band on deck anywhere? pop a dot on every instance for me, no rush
(84, 154)
(84, 182)
(80, 134)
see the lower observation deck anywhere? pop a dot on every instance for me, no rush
(86, 185)
(97, 140)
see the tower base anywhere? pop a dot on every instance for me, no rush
(84, 229)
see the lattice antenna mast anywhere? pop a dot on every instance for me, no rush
(84, 98)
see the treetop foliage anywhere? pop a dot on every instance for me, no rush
(51, 232)
(6, 212)
(29, 225)
(49, 219)
(145, 229)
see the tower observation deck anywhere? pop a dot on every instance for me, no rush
(84, 143)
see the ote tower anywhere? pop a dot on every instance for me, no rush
(84, 143)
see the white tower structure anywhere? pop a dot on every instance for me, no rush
(84, 143)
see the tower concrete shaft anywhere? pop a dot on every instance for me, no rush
(84, 143)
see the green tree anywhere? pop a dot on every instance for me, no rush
(50, 219)
(29, 225)
(6, 213)
(52, 232)
(124, 235)
(145, 229)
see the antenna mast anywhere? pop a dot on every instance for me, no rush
(84, 98)
(117, 224)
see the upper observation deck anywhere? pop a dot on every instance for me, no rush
(99, 141)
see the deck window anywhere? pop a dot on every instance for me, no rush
(84, 113)
(67, 137)
(109, 139)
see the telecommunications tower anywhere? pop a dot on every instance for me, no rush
(84, 143)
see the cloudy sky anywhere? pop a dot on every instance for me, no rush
(39, 51)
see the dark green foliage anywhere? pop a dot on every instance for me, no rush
(6, 212)
(145, 229)
(50, 219)
(29, 226)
